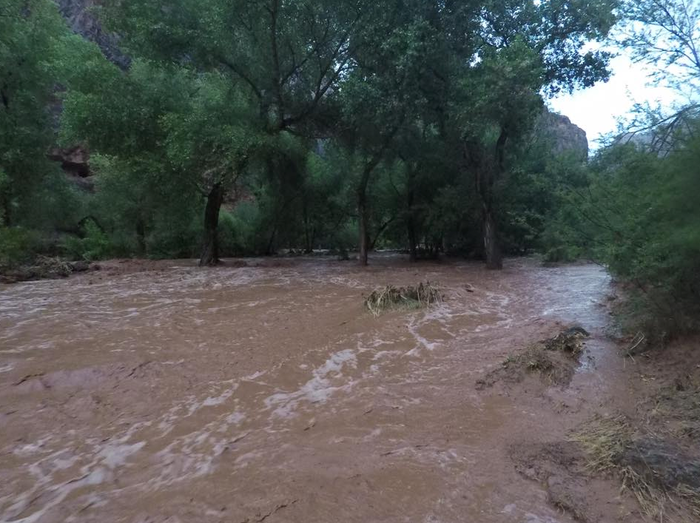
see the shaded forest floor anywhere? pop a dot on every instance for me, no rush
(263, 390)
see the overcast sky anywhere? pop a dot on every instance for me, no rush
(597, 109)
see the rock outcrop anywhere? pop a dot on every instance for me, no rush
(82, 19)
(563, 136)
(75, 162)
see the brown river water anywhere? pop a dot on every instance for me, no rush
(267, 393)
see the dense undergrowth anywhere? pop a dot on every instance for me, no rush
(638, 214)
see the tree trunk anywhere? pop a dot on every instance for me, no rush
(308, 235)
(486, 173)
(494, 258)
(412, 241)
(411, 226)
(492, 247)
(7, 210)
(362, 211)
(270, 250)
(141, 236)
(210, 248)
(492, 250)
(363, 230)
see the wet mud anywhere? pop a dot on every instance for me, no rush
(265, 391)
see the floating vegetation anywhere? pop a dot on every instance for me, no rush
(393, 298)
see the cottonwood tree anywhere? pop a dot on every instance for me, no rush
(280, 60)
(481, 77)
(525, 49)
(127, 120)
(503, 91)
(400, 81)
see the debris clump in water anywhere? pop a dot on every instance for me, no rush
(554, 359)
(392, 298)
(44, 268)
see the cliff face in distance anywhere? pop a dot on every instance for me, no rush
(81, 18)
(564, 136)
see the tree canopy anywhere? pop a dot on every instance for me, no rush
(249, 126)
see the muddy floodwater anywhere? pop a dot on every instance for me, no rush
(267, 393)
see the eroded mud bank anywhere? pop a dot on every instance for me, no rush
(267, 393)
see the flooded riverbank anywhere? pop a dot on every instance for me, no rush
(267, 393)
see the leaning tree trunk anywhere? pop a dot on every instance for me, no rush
(210, 248)
(270, 250)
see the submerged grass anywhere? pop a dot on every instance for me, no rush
(392, 298)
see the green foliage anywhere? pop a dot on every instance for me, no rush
(665, 34)
(95, 245)
(291, 123)
(174, 235)
(534, 195)
(240, 232)
(32, 40)
(17, 246)
(638, 214)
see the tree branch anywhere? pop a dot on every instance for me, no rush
(233, 67)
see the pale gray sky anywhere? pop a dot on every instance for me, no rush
(597, 109)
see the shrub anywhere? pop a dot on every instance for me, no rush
(175, 237)
(243, 231)
(17, 246)
(95, 245)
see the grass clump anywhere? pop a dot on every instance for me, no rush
(664, 481)
(555, 360)
(569, 342)
(553, 369)
(677, 407)
(604, 441)
(392, 298)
